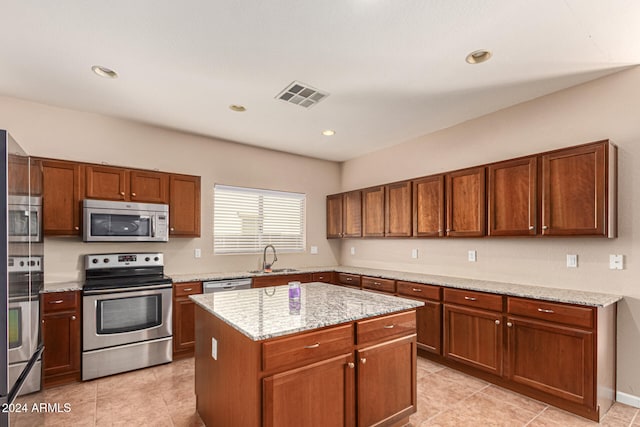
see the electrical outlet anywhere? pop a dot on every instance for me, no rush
(197, 253)
(314, 250)
(473, 256)
(414, 253)
(616, 262)
(572, 261)
(214, 348)
(353, 250)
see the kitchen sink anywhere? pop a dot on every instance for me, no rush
(276, 270)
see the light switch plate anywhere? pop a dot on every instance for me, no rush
(214, 348)
(353, 250)
(414, 253)
(197, 253)
(616, 262)
(473, 256)
(314, 250)
(572, 261)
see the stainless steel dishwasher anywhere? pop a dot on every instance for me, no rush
(226, 285)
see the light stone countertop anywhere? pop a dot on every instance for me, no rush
(263, 313)
(570, 296)
(62, 286)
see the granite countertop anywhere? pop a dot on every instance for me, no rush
(263, 313)
(62, 286)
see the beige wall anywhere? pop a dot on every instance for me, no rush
(605, 108)
(65, 134)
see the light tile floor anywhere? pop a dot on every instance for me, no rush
(163, 396)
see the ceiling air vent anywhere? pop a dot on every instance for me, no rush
(301, 94)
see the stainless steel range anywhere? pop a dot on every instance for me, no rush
(126, 320)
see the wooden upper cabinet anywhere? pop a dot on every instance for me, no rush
(578, 191)
(184, 205)
(334, 216)
(352, 214)
(114, 183)
(149, 187)
(466, 202)
(24, 175)
(512, 198)
(62, 192)
(397, 210)
(373, 212)
(428, 206)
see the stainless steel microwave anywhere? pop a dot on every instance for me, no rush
(107, 221)
(24, 218)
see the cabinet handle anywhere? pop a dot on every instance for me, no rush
(509, 324)
(58, 301)
(470, 298)
(542, 310)
(316, 345)
(389, 326)
(363, 360)
(416, 290)
(377, 283)
(497, 322)
(73, 317)
(172, 229)
(348, 279)
(531, 227)
(122, 193)
(76, 228)
(448, 230)
(351, 365)
(133, 194)
(187, 289)
(545, 227)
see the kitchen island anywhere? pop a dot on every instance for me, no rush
(335, 357)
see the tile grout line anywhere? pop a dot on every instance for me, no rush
(537, 416)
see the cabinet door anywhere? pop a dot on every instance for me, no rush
(280, 279)
(429, 326)
(373, 212)
(555, 359)
(397, 212)
(62, 192)
(334, 216)
(473, 337)
(466, 203)
(149, 187)
(106, 183)
(386, 382)
(184, 206)
(317, 395)
(61, 338)
(513, 198)
(352, 214)
(574, 199)
(428, 206)
(184, 325)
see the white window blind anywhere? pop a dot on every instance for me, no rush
(245, 220)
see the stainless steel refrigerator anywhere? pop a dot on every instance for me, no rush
(21, 269)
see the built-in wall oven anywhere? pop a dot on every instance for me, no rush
(127, 321)
(24, 218)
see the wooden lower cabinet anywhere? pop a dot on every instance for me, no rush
(324, 276)
(61, 337)
(323, 392)
(428, 317)
(184, 335)
(280, 279)
(386, 382)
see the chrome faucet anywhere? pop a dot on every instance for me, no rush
(266, 266)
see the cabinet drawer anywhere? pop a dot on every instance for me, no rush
(383, 285)
(326, 277)
(419, 290)
(554, 312)
(306, 348)
(349, 279)
(387, 327)
(60, 301)
(188, 288)
(473, 299)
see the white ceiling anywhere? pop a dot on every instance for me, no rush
(394, 69)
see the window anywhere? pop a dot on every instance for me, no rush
(245, 220)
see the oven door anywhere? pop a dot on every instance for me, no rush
(122, 316)
(23, 328)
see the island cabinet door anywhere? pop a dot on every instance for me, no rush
(387, 382)
(318, 395)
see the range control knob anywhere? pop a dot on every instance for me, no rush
(147, 259)
(95, 260)
(156, 259)
(21, 263)
(106, 260)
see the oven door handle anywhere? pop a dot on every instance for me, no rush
(119, 290)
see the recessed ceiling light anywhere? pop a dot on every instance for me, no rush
(104, 72)
(237, 108)
(328, 132)
(478, 56)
